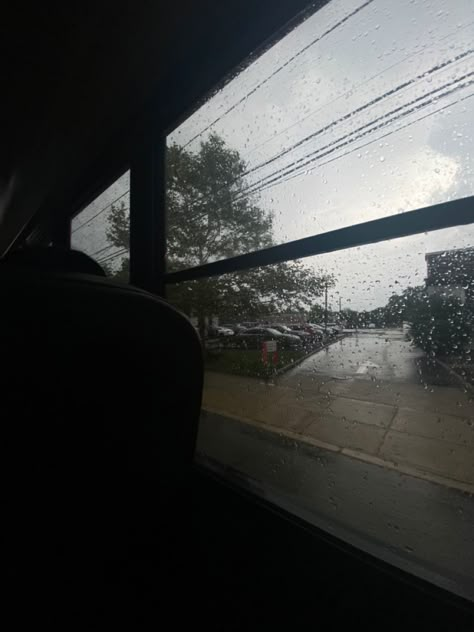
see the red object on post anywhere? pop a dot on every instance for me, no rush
(270, 347)
(264, 353)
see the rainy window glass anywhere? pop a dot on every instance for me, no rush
(342, 386)
(102, 229)
(362, 111)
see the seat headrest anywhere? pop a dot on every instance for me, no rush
(54, 259)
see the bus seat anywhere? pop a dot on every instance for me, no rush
(101, 393)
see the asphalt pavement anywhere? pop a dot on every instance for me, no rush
(354, 441)
(366, 355)
(362, 396)
(417, 525)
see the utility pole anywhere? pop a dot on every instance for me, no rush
(340, 302)
(326, 305)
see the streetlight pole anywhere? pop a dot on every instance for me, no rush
(326, 305)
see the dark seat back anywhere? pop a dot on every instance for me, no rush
(100, 398)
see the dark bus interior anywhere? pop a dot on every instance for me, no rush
(107, 517)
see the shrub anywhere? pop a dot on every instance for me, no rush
(441, 326)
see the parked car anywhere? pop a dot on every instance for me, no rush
(236, 328)
(253, 337)
(305, 336)
(317, 327)
(220, 332)
(335, 327)
(326, 330)
(284, 329)
(315, 335)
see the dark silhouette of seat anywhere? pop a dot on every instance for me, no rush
(101, 392)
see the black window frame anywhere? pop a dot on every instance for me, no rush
(143, 152)
(145, 156)
(428, 219)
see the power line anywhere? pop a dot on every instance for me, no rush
(100, 212)
(370, 142)
(298, 169)
(277, 70)
(113, 255)
(123, 251)
(308, 158)
(354, 88)
(411, 82)
(97, 252)
(361, 108)
(317, 153)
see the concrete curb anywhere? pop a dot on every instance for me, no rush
(289, 366)
(348, 452)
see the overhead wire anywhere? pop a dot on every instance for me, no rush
(100, 212)
(370, 142)
(358, 110)
(113, 255)
(309, 157)
(97, 252)
(271, 180)
(124, 251)
(410, 83)
(277, 70)
(353, 89)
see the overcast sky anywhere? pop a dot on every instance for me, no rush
(428, 161)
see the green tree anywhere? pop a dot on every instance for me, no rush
(351, 318)
(210, 216)
(317, 314)
(404, 306)
(118, 235)
(442, 326)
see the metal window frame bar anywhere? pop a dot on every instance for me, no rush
(148, 213)
(427, 219)
(61, 232)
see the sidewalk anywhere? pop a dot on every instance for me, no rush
(428, 433)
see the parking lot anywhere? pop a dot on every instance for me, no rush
(362, 396)
(354, 441)
(263, 350)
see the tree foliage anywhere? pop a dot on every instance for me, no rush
(210, 217)
(118, 235)
(404, 306)
(118, 229)
(251, 293)
(441, 326)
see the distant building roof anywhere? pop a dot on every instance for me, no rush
(463, 252)
(450, 268)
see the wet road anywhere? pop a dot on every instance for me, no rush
(371, 355)
(414, 524)
(417, 524)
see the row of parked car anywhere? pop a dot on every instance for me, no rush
(251, 335)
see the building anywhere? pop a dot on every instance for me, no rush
(451, 273)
